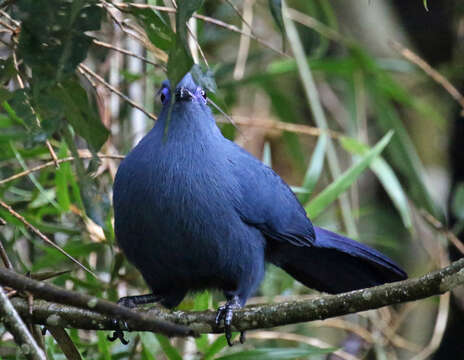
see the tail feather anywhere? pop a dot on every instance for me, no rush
(335, 264)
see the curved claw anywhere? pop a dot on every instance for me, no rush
(118, 334)
(226, 313)
(129, 302)
(242, 337)
(220, 314)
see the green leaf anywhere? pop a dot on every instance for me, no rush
(53, 257)
(457, 202)
(19, 109)
(285, 107)
(275, 6)
(53, 40)
(103, 346)
(150, 345)
(169, 350)
(425, 5)
(342, 183)
(314, 169)
(7, 70)
(403, 153)
(204, 78)
(299, 190)
(62, 175)
(185, 10)
(95, 203)
(218, 344)
(386, 176)
(277, 353)
(156, 27)
(202, 302)
(267, 155)
(80, 114)
(44, 197)
(179, 63)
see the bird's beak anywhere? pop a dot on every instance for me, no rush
(183, 94)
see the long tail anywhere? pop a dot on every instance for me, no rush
(335, 263)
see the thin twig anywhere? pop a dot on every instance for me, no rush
(290, 127)
(107, 5)
(239, 14)
(37, 232)
(18, 329)
(437, 225)
(85, 70)
(5, 14)
(244, 45)
(434, 74)
(237, 30)
(8, 26)
(197, 44)
(52, 153)
(127, 52)
(64, 342)
(3, 253)
(205, 19)
(51, 163)
(314, 24)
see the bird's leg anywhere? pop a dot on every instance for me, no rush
(226, 313)
(130, 302)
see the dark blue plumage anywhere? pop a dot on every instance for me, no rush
(194, 211)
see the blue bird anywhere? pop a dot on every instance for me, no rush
(195, 211)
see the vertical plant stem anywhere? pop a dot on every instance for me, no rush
(314, 103)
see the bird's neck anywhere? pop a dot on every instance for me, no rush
(187, 128)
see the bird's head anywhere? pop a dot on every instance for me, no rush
(185, 108)
(186, 91)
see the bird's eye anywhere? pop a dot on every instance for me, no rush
(164, 95)
(203, 93)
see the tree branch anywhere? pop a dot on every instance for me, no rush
(251, 317)
(53, 293)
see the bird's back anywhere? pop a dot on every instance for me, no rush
(182, 226)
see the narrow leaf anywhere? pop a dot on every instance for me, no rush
(275, 6)
(267, 155)
(185, 9)
(457, 202)
(169, 350)
(80, 114)
(218, 344)
(386, 176)
(314, 169)
(276, 353)
(342, 183)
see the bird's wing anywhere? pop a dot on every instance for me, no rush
(267, 202)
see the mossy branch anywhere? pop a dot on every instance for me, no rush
(78, 314)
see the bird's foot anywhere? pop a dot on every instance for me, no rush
(226, 313)
(129, 302)
(118, 334)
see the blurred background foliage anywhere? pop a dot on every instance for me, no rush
(314, 92)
